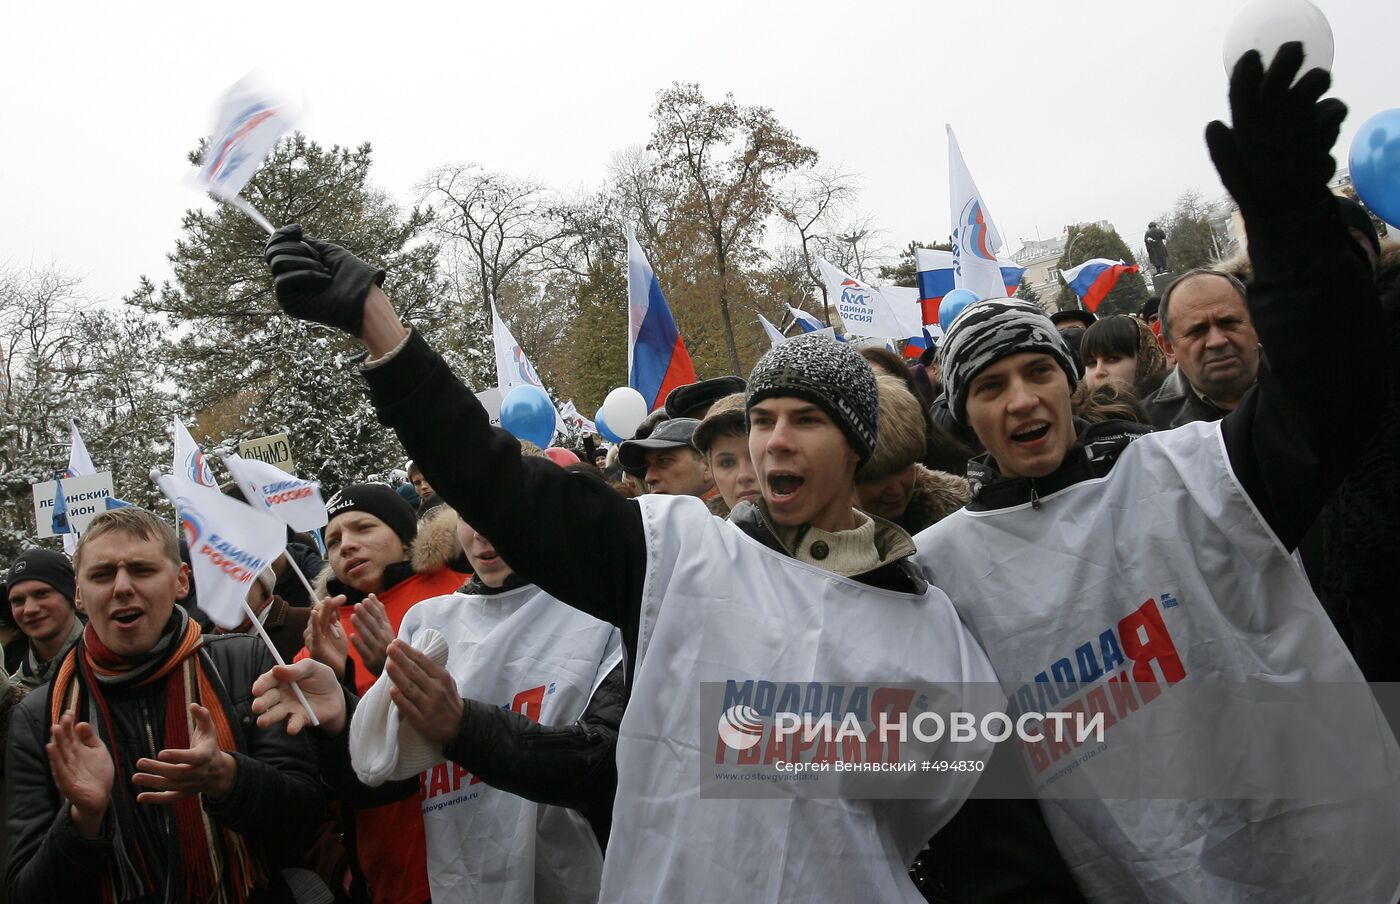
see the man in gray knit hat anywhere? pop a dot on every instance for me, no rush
(797, 586)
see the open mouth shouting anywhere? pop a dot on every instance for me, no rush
(127, 617)
(1031, 434)
(783, 485)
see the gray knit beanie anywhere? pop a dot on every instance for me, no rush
(828, 374)
(989, 330)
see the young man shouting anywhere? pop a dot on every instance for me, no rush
(138, 774)
(800, 587)
(1147, 578)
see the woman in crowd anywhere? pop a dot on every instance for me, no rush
(1122, 350)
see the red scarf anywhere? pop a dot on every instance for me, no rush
(204, 850)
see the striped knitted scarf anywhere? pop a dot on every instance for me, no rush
(209, 863)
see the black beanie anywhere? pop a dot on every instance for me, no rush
(379, 500)
(52, 568)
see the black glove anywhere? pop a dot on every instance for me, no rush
(1278, 155)
(320, 281)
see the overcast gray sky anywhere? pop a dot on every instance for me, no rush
(1065, 111)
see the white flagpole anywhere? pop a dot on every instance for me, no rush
(262, 632)
(238, 202)
(310, 593)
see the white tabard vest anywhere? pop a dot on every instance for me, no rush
(720, 606)
(1164, 570)
(525, 650)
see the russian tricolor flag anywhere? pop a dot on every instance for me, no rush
(917, 345)
(657, 361)
(936, 278)
(1095, 278)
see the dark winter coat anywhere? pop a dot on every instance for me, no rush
(937, 494)
(1176, 403)
(276, 801)
(1361, 525)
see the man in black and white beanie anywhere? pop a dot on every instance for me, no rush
(828, 374)
(1076, 531)
(986, 332)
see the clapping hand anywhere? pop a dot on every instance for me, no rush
(372, 633)
(82, 771)
(202, 768)
(325, 640)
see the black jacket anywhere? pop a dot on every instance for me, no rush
(1175, 403)
(276, 801)
(1361, 528)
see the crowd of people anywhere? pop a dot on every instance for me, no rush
(500, 660)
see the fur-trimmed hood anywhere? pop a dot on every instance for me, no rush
(436, 547)
(937, 494)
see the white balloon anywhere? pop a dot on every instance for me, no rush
(1265, 25)
(624, 409)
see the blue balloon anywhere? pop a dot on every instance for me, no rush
(528, 414)
(603, 429)
(1375, 165)
(952, 305)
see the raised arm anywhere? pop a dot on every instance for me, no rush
(1312, 299)
(569, 533)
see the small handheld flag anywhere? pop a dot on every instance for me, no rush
(60, 510)
(189, 460)
(79, 462)
(867, 310)
(79, 465)
(769, 330)
(513, 367)
(805, 322)
(230, 544)
(248, 125)
(293, 501)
